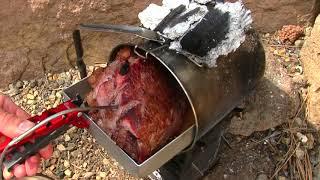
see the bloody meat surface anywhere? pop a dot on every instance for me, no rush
(151, 105)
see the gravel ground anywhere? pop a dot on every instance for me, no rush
(76, 153)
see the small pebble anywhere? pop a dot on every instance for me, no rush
(66, 164)
(299, 43)
(302, 137)
(70, 146)
(262, 177)
(103, 174)
(39, 82)
(52, 98)
(11, 86)
(55, 85)
(61, 147)
(61, 82)
(282, 178)
(67, 138)
(19, 84)
(14, 92)
(75, 176)
(84, 164)
(58, 95)
(68, 173)
(267, 35)
(36, 93)
(105, 161)
(33, 83)
(30, 96)
(88, 175)
(30, 102)
(307, 31)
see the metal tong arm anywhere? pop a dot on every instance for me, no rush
(138, 31)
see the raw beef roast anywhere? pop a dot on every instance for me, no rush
(150, 104)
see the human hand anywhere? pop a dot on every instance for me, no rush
(13, 122)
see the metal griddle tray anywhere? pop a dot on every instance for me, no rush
(162, 156)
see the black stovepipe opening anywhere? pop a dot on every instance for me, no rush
(79, 52)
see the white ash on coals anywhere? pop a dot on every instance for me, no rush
(213, 31)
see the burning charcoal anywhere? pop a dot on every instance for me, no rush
(151, 104)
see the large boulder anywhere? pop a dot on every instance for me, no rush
(36, 35)
(271, 15)
(310, 56)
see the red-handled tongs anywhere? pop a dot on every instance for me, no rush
(49, 125)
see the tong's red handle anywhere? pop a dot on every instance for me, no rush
(70, 118)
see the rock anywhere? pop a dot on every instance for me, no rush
(307, 31)
(75, 176)
(271, 15)
(54, 85)
(30, 102)
(19, 84)
(60, 82)
(33, 83)
(298, 121)
(13, 92)
(40, 82)
(103, 174)
(105, 161)
(36, 93)
(61, 147)
(310, 54)
(58, 95)
(66, 164)
(30, 96)
(70, 146)
(68, 173)
(84, 164)
(88, 175)
(299, 43)
(282, 178)
(67, 138)
(262, 177)
(300, 153)
(302, 138)
(39, 38)
(52, 98)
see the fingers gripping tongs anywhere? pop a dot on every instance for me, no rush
(49, 125)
